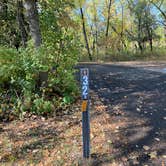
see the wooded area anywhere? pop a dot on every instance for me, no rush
(41, 45)
(41, 41)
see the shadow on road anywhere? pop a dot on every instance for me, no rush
(137, 97)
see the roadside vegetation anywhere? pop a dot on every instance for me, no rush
(125, 30)
(41, 43)
(37, 75)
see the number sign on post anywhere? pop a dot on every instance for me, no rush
(85, 112)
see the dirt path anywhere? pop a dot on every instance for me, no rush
(128, 121)
(158, 66)
(137, 98)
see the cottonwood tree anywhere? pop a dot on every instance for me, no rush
(3, 9)
(9, 31)
(84, 32)
(108, 22)
(145, 24)
(33, 20)
(21, 22)
(80, 3)
(160, 6)
(93, 12)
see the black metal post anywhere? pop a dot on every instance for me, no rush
(85, 112)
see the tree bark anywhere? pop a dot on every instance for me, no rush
(3, 9)
(21, 22)
(122, 40)
(93, 44)
(96, 29)
(108, 23)
(85, 35)
(108, 19)
(122, 33)
(33, 19)
(139, 35)
(161, 11)
(150, 37)
(151, 40)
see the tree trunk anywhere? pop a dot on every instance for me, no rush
(96, 29)
(161, 11)
(122, 33)
(85, 35)
(108, 23)
(33, 19)
(3, 9)
(93, 43)
(122, 40)
(150, 39)
(97, 49)
(140, 46)
(21, 22)
(139, 35)
(151, 44)
(108, 18)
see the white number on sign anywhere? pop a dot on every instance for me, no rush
(85, 91)
(85, 87)
(85, 80)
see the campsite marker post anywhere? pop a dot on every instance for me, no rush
(85, 112)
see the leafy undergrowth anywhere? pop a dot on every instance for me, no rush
(38, 81)
(58, 141)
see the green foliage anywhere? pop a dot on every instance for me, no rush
(20, 73)
(9, 35)
(130, 55)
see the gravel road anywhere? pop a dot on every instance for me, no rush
(138, 95)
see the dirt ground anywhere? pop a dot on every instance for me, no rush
(138, 93)
(158, 66)
(128, 124)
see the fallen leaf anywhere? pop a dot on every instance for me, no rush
(43, 119)
(28, 150)
(162, 163)
(157, 139)
(117, 127)
(116, 131)
(164, 156)
(138, 109)
(35, 150)
(153, 155)
(109, 141)
(146, 147)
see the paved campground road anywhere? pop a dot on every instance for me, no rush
(138, 95)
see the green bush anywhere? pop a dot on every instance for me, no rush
(20, 79)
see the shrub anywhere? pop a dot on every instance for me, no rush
(20, 79)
